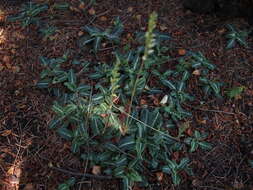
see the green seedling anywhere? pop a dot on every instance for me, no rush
(236, 36)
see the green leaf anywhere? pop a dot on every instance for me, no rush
(70, 108)
(104, 156)
(167, 169)
(196, 64)
(71, 181)
(45, 73)
(55, 122)
(134, 176)
(181, 86)
(250, 163)
(186, 76)
(85, 40)
(65, 133)
(168, 84)
(97, 43)
(235, 91)
(209, 65)
(44, 61)
(127, 143)
(139, 147)
(126, 183)
(194, 145)
(241, 40)
(70, 86)
(111, 147)
(43, 83)
(96, 125)
(83, 88)
(59, 79)
(95, 75)
(172, 164)
(144, 116)
(175, 178)
(197, 135)
(75, 147)
(215, 86)
(183, 163)
(71, 76)
(93, 31)
(15, 18)
(119, 171)
(121, 161)
(230, 43)
(58, 109)
(38, 9)
(63, 186)
(61, 6)
(205, 145)
(141, 129)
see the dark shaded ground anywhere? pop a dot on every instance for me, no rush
(28, 148)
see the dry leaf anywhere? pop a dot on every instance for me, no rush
(92, 11)
(13, 180)
(238, 185)
(143, 102)
(249, 92)
(96, 170)
(138, 17)
(189, 132)
(103, 115)
(222, 31)
(164, 100)
(103, 18)
(19, 35)
(196, 182)
(13, 51)
(181, 52)
(178, 33)
(8, 65)
(6, 133)
(175, 155)
(6, 59)
(74, 9)
(15, 69)
(130, 9)
(29, 186)
(123, 130)
(159, 176)
(82, 5)
(196, 72)
(115, 99)
(15, 170)
(163, 27)
(1, 67)
(80, 33)
(129, 35)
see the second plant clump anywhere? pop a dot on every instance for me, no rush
(105, 122)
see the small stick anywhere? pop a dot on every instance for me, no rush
(81, 174)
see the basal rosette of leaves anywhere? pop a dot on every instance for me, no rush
(125, 139)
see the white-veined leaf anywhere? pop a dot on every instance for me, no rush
(168, 84)
(71, 76)
(97, 43)
(127, 143)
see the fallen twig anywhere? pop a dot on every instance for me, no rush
(81, 174)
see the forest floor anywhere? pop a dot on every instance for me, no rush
(28, 147)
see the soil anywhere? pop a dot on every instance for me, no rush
(28, 149)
